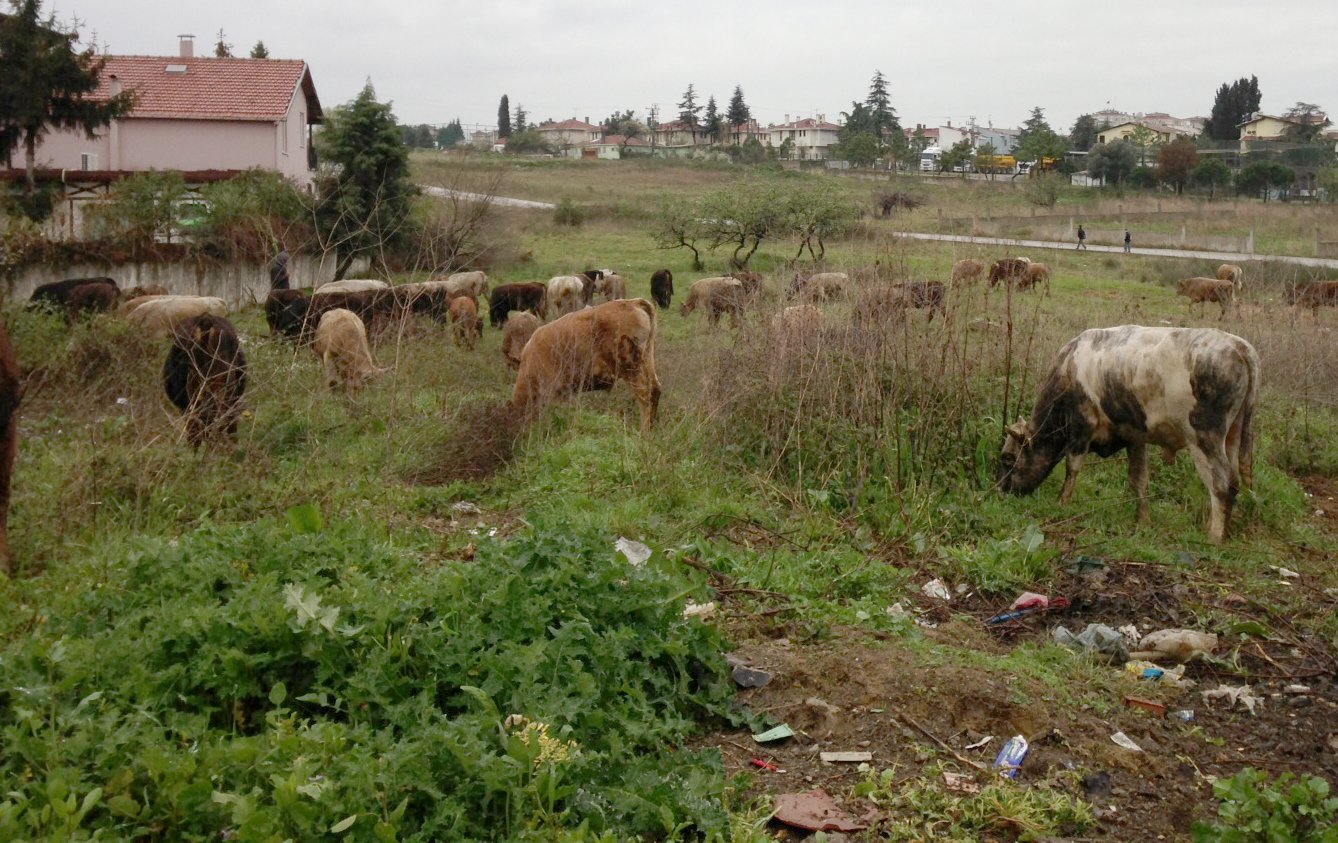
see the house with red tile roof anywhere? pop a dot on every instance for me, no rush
(196, 114)
(569, 135)
(810, 139)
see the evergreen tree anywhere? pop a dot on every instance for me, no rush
(259, 51)
(1233, 105)
(222, 49)
(1083, 134)
(364, 199)
(520, 124)
(450, 134)
(712, 123)
(1037, 140)
(738, 114)
(46, 85)
(879, 105)
(687, 111)
(504, 118)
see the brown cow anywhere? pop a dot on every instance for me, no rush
(818, 287)
(1202, 290)
(592, 349)
(466, 323)
(967, 271)
(341, 343)
(1230, 272)
(9, 437)
(613, 286)
(1008, 270)
(1314, 295)
(56, 295)
(752, 281)
(91, 298)
(519, 327)
(505, 298)
(1036, 275)
(205, 376)
(716, 296)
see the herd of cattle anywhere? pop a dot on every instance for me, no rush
(1108, 390)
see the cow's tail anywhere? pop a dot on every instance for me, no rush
(1245, 462)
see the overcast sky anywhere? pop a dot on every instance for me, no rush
(944, 59)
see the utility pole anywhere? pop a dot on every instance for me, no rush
(653, 122)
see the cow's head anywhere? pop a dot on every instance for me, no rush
(1019, 464)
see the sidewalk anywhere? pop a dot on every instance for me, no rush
(1227, 257)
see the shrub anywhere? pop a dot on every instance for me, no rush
(1255, 810)
(568, 213)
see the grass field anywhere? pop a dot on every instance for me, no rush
(322, 632)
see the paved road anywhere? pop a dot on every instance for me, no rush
(1228, 257)
(496, 200)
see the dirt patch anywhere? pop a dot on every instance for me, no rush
(1323, 493)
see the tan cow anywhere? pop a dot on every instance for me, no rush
(1202, 290)
(162, 314)
(967, 271)
(612, 286)
(341, 343)
(352, 285)
(566, 293)
(1230, 272)
(592, 348)
(519, 327)
(716, 296)
(466, 323)
(819, 287)
(1035, 275)
(473, 284)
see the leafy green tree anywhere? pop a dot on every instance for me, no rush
(737, 114)
(222, 49)
(140, 210)
(1145, 141)
(1082, 136)
(688, 111)
(816, 213)
(1327, 179)
(1264, 177)
(679, 225)
(1143, 178)
(260, 51)
(1176, 162)
(1309, 123)
(712, 125)
(879, 104)
(959, 155)
(1233, 105)
(504, 117)
(744, 216)
(750, 151)
(519, 124)
(1112, 162)
(861, 150)
(451, 134)
(984, 159)
(1037, 140)
(1211, 173)
(46, 85)
(365, 196)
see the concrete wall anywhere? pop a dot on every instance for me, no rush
(239, 285)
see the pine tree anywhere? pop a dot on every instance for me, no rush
(451, 134)
(738, 114)
(1233, 105)
(259, 51)
(711, 123)
(1083, 134)
(222, 49)
(520, 123)
(1037, 140)
(46, 85)
(879, 104)
(687, 111)
(504, 117)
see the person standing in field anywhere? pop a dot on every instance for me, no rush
(1128, 241)
(278, 270)
(1082, 237)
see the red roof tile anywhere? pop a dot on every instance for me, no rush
(580, 125)
(210, 88)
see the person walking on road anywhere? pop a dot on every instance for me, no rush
(1082, 237)
(278, 270)
(1128, 241)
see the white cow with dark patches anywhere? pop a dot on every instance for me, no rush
(1130, 387)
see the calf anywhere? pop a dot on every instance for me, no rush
(967, 271)
(612, 286)
(592, 349)
(1314, 295)
(1008, 270)
(888, 301)
(341, 343)
(205, 376)
(662, 287)
(1202, 290)
(516, 332)
(1230, 272)
(286, 312)
(525, 296)
(10, 392)
(716, 296)
(466, 323)
(1129, 387)
(1035, 275)
(818, 287)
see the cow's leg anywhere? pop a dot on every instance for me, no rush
(1138, 478)
(1210, 459)
(328, 364)
(1072, 465)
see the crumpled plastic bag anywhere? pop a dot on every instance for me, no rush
(1097, 639)
(636, 552)
(1236, 694)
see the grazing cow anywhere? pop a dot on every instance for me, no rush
(967, 271)
(1008, 270)
(1035, 275)
(57, 294)
(466, 323)
(519, 327)
(341, 343)
(1230, 272)
(592, 349)
(161, 315)
(10, 391)
(612, 286)
(352, 285)
(818, 287)
(662, 287)
(91, 298)
(144, 290)
(1202, 290)
(716, 296)
(286, 312)
(426, 298)
(505, 298)
(1314, 295)
(566, 293)
(1130, 387)
(591, 278)
(473, 284)
(752, 281)
(891, 301)
(205, 376)
(797, 320)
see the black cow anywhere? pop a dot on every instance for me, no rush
(286, 312)
(589, 279)
(662, 288)
(529, 296)
(205, 376)
(57, 294)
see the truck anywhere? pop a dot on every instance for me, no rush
(929, 159)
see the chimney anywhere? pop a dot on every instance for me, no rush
(187, 46)
(787, 118)
(587, 119)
